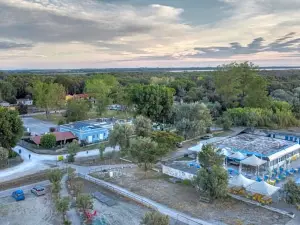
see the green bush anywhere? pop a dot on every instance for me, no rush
(12, 154)
(48, 141)
(187, 182)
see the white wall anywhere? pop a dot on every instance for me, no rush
(177, 173)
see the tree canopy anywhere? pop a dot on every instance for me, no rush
(11, 128)
(191, 119)
(48, 141)
(48, 95)
(152, 101)
(120, 135)
(77, 109)
(145, 151)
(142, 126)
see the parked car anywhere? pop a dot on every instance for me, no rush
(207, 136)
(179, 145)
(18, 195)
(38, 190)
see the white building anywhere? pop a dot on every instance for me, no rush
(4, 104)
(25, 101)
(181, 170)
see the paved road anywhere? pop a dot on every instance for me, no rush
(37, 126)
(25, 188)
(38, 162)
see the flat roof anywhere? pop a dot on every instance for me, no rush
(255, 144)
(83, 126)
(184, 166)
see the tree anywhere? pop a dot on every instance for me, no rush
(48, 96)
(101, 150)
(152, 101)
(11, 128)
(292, 192)
(191, 119)
(54, 175)
(62, 205)
(100, 87)
(212, 178)
(55, 188)
(155, 218)
(77, 187)
(142, 126)
(209, 157)
(3, 156)
(84, 202)
(212, 182)
(7, 91)
(239, 84)
(48, 141)
(120, 135)
(72, 149)
(165, 139)
(77, 110)
(23, 109)
(145, 151)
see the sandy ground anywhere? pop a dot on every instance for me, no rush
(32, 211)
(185, 198)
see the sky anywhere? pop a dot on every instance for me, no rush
(53, 34)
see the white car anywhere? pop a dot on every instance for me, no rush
(38, 190)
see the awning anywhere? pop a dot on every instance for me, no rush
(262, 188)
(253, 161)
(226, 152)
(237, 155)
(240, 181)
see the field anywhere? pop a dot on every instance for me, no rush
(184, 198)
(32, 211)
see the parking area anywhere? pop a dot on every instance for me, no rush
(37, 126)
(31, 211)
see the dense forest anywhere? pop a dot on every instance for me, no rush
(235, 94)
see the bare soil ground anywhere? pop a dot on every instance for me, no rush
(125, 212)
(184, 198)
(30, 179)
(32, 211)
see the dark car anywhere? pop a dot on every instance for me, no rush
(38, 190)
(207, 136)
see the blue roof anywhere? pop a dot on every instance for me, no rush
(83, 126)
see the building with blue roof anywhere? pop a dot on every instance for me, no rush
(86, 132)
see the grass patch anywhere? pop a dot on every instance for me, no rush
(55, 117)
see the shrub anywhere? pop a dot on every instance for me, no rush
(155, 218)
(187, 182)
(48, 141)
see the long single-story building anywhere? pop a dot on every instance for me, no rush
(61, 138)
(86, 132)
(266, 146)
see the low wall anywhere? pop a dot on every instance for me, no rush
(177, 173)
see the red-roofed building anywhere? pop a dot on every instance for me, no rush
(61, 137)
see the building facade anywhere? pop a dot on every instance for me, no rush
(86, 132)
(25, 101)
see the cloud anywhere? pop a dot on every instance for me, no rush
(5, 45)
(75, 31)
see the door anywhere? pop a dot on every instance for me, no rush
(101, 136)
(90, 139)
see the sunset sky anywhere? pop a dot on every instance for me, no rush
(148, 33)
